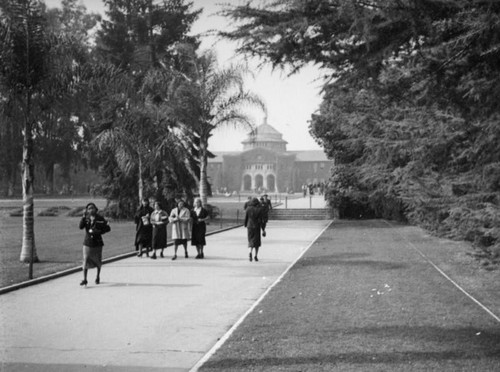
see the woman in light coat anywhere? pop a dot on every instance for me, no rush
(180, 218)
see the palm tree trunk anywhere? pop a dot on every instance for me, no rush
(28, 250)
(203, 172)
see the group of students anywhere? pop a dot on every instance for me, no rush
(151, 228)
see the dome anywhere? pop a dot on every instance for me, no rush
(264, 133)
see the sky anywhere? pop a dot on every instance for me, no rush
(290, 100)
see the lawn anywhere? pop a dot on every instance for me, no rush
(59, 240)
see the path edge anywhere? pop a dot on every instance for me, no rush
(74, 270)
(231, 330)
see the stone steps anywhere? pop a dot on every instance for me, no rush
(300, 214)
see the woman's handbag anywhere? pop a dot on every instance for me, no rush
(145, 220)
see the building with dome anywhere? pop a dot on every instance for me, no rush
(265, 164)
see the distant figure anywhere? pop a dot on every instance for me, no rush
(304, 190)
(199, 215)
(159, 221)
(144, 231)
(266, 207)
(247, 203)
(180, 218)
(95, 226)
(253, 223)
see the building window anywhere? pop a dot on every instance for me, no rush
(315, 166)
(322, 165)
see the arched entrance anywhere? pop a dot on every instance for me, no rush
(271, 182)
(247, 182)
(259, 181)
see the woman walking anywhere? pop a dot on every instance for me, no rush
(143, 229)
(199, 216)
(180, 218)
(159, 221)
(253, 223)
(95, 226)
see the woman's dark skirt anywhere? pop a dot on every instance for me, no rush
(159, 240)
(143, 236)
(253, 237)
(198, 234)
(92, 257)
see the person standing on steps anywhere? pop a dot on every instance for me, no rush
(180, 218)
(253, 223)
(144, 231)
(159, 221)
(95, 226)
(199, 215)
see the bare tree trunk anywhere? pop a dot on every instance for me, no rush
(11, 179)
(49, 178)
(28, 250)
(203, 172)
(140, 181)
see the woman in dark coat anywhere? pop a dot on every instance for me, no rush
(94, 225)
(199, 215)
(144, 231)
(253, 223)
(159, 221)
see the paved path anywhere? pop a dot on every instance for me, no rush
(146, 315)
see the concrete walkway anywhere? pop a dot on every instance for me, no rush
(146, 315)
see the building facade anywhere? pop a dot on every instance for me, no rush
(266, 165)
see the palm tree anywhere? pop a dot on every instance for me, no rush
(216, 97)
(36, 70)
(24, 58)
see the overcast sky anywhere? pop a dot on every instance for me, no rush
(290, 100)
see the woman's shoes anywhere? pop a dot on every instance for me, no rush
(250, 257)
(83, 282)
(139, 254)
(187, 255)
(198, 256)
(256, 259)
(174, 258)
(97, 280)
(202, 255)
(153, 257)
(161, 254)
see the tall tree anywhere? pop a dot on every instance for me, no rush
(214, 97)
(25, 67)
(140, 39)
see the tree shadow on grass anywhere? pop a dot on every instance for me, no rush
(459, 344)
(333, 260)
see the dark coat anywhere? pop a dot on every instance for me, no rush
(254, 222)
(144, 232)
(199, 228)
(99, 227)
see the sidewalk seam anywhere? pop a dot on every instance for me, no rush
(231, 330)
(477, 302)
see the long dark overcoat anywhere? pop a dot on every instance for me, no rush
(144, 231)
(253, 223)
(199, 227)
